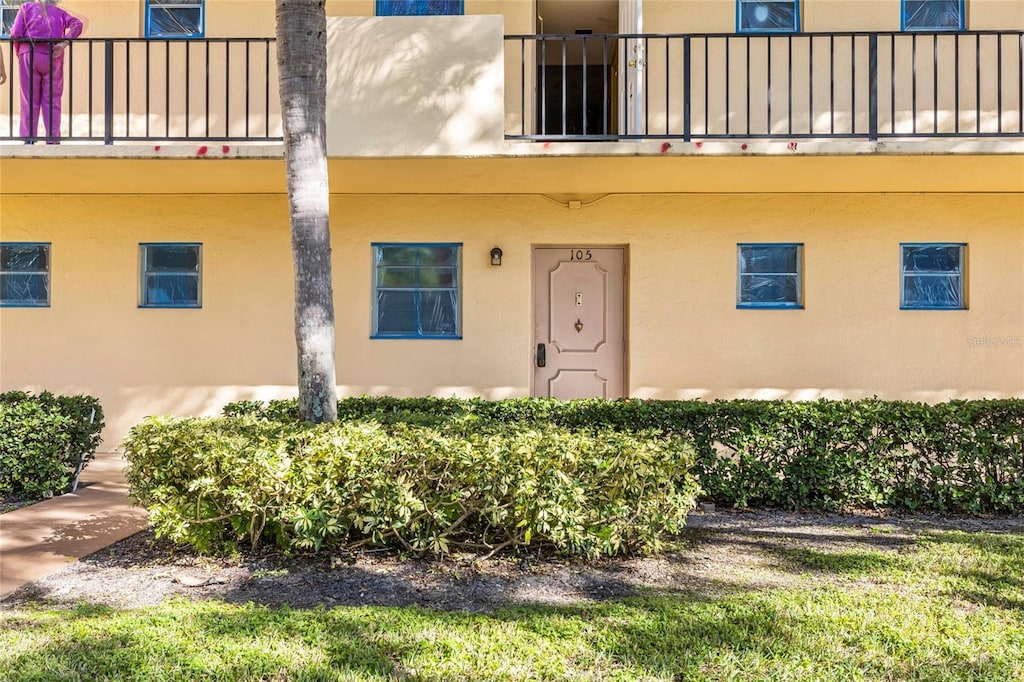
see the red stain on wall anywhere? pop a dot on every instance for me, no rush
(202, 151)
(156, 148)
(699, 144)
(225, 149)
(665, 146)
(743, 147)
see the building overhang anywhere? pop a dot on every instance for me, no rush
(648, 167)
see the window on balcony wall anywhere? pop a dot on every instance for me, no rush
(396, 8)
(170, 275)
(417, 291)
(932, 15)
(25, 275)
(932, 277)
(175, 18)
(8, 10)
(770, 276)
(767, 16)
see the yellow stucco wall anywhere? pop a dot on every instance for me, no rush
(685, 336)
(236, 18)
(250, 18)
(807, 80)
(410, 86)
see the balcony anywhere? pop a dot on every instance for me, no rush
(123, 90)
(786, 87)
(557, 88)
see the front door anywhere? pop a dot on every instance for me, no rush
(579, 322)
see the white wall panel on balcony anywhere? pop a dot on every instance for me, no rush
(415, 86)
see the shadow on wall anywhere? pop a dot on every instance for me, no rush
(414, 85)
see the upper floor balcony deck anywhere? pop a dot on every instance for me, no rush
(418, 87)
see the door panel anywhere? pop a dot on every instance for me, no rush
(579, 318)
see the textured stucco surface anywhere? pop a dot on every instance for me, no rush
(685, 336)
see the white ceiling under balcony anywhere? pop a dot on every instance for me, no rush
(569, 16)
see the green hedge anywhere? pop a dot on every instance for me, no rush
(958, 456)
(43, 438)
(473, 484)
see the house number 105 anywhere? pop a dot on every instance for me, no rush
(580, 254)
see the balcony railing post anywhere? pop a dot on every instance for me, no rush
(873, 86)
(686, 90)
(108, 92)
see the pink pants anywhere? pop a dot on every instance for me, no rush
(42, 84)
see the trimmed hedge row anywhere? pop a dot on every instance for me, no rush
(959, 456)
(43, 439)
(475, 484)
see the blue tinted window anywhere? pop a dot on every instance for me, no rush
(170, 275)
(8, 10)
(24, 275)
(767, 16)
(932, 276)
(396, 8)
(417, 290)
(770, 276)
(932, 15)
(174, 18)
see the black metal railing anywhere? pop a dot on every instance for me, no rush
(722, 86)
(134, 90)
(576, 87)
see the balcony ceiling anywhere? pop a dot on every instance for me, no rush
(566, 16)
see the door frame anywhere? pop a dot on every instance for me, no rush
(532, 350)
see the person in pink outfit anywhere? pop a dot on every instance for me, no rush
(36, 32)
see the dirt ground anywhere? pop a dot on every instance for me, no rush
(721, 551)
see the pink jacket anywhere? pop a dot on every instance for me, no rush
(42, 20)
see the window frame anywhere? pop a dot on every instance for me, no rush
(376, 288)
(769, 31)
(962, 26)
(380, 5)
(47, 273)
(148, 21)
(6, 6)
(143, 273)
(962, 274)
(799, 274)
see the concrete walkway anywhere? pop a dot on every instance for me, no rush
(44, 537)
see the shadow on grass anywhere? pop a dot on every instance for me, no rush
(799, 552)
(993, 570)
(685, 636)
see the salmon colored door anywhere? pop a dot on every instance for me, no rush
(579, 322)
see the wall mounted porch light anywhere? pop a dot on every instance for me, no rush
(496, 254)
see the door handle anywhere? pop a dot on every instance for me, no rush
(542, 355)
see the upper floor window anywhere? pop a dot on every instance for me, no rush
(932, 277)
(767, 16)
(770, 276)
(175, 18)
(8, 10)
(417, 291)
(932, 15)
(396, 8)
(24, 275)
(170, 275)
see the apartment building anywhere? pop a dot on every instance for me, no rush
(571, 198)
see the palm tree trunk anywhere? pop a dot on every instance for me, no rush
(302, 65)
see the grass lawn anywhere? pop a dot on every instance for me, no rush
(950, 606)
